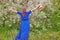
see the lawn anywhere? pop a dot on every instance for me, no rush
(8, 34)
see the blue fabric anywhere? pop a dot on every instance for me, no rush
(23, 33)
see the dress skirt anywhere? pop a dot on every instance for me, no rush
(23, 33)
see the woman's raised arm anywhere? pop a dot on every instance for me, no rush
(12, 9)
(39, 6)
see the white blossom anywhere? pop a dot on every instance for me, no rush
(13, 21)
(3, 18)
(10, 25)
(7, 21)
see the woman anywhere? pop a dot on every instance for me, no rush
(25, 24)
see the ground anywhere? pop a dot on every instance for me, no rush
(9, 34)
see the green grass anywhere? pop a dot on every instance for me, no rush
(8, 34)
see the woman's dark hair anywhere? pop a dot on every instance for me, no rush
(23, 12)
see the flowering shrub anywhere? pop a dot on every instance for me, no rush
(39, 19)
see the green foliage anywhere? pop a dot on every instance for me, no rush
(43, 23)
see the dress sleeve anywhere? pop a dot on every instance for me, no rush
(19, 12)
(29, 12)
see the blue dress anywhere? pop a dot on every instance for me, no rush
(23, 33)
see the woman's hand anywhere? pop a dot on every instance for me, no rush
(41, 6)
(10, 9)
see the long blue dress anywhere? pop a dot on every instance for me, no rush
(23, 33)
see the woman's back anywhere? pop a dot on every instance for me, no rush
(26, 17)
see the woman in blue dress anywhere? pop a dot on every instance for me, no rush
(23, 33)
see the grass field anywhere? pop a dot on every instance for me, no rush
(8, 34)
